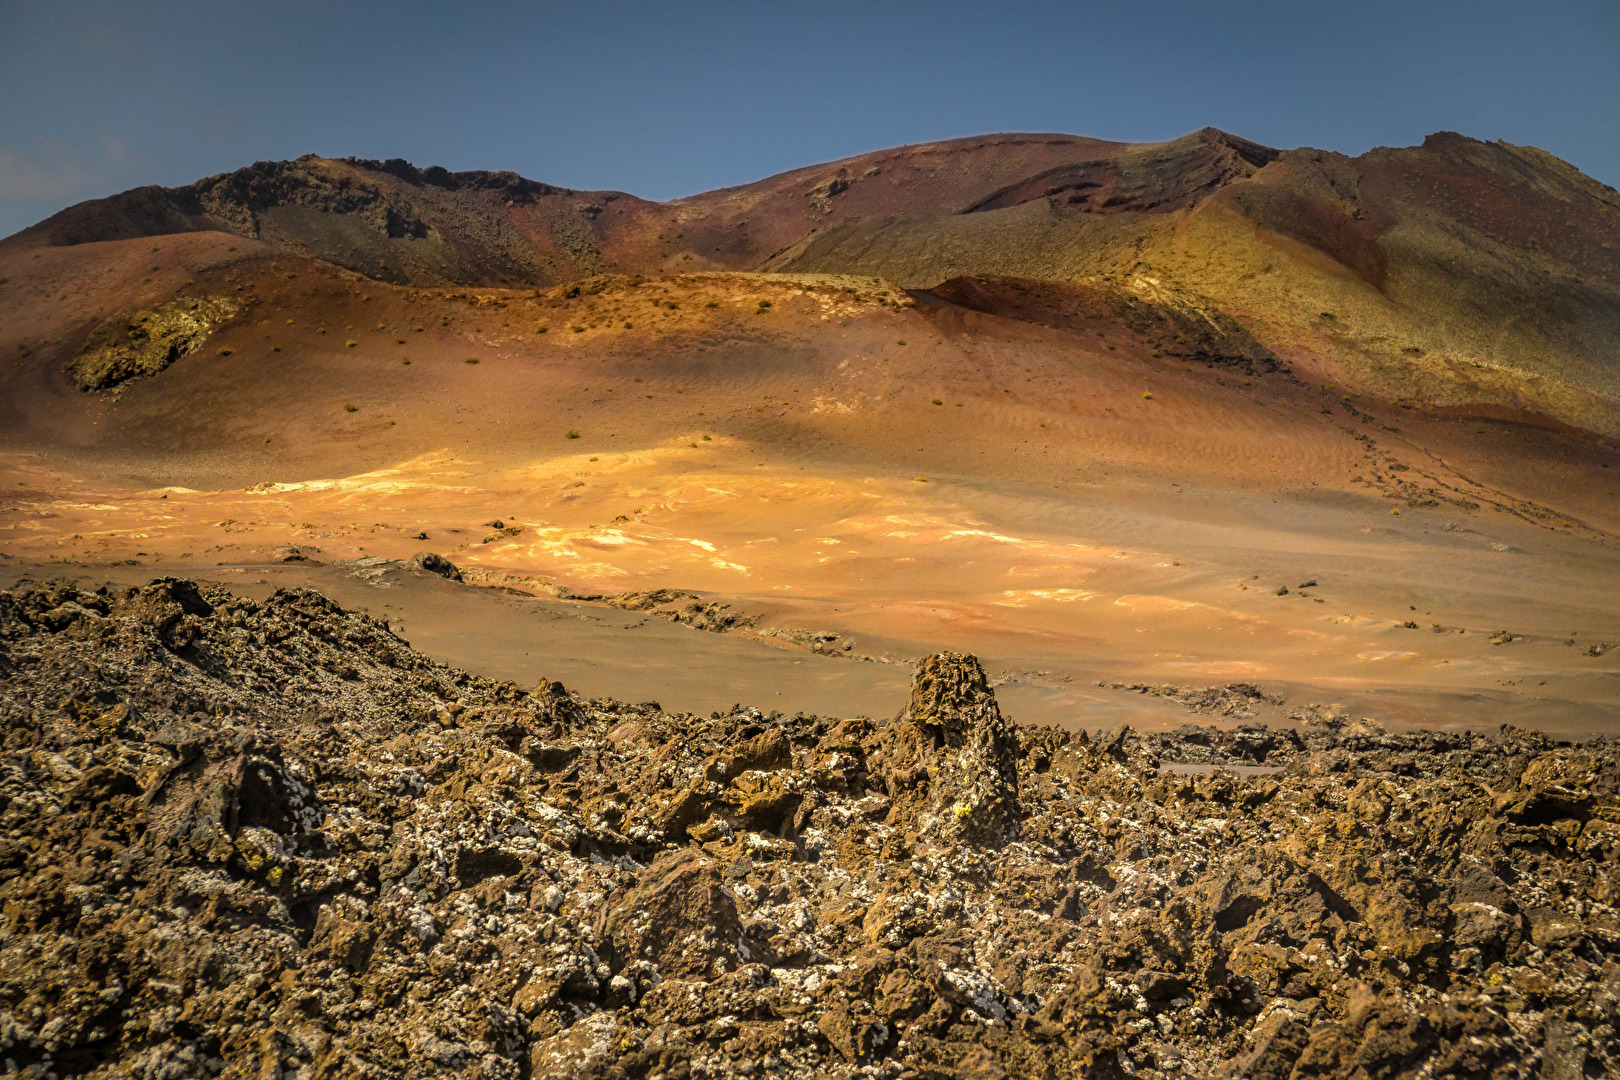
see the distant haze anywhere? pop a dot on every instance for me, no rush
(664, 100)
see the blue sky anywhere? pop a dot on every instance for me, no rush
(667, 99)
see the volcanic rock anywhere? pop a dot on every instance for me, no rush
(430, 563)
(270, 839)
(145, 342)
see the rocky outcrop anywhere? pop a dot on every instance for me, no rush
(142, 344)
(270, 839)
(430, 563)
(950, 760)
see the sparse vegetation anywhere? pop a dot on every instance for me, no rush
(470, 360)
(572, 433)
(351, 408)
(938, 402)
(225, 352)
(351, 343)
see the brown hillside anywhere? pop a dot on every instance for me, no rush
(1455, 274)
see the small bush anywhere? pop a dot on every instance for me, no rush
(572, 433)
(579, 329)
(938, 402)
(351, 408)
(712, 304)
(1147, 395)
(542, 329)
(705, 438)
(320, 329)
(275, 348)
(224, 352)
(399, 341)
(351, 343)
(407, 363)
(470, 360)
(902, 341)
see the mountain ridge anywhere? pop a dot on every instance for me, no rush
(1457, 272)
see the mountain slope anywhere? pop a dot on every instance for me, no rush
(1454, 274)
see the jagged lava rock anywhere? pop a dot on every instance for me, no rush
(951, 758)
(271, 840)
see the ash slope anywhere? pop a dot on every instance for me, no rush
(273, 840)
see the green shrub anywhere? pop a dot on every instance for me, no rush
(470, 360)
(351, 408)
(572, 433)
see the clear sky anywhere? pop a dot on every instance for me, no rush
(665, 99)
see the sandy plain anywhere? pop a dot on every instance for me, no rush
(824, 454)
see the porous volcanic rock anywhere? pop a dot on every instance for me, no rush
(271, 840)
(951, 759)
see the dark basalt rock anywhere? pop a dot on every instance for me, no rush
(272, 840)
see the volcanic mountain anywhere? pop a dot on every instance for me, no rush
(1458, 273)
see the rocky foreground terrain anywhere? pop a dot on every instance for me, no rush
(272, 840)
